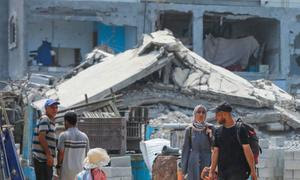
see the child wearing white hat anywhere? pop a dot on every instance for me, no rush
(95, 160)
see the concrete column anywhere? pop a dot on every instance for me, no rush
(198, 32)
(285, 48)
(17, 64)
(3, 39)
(143, 20)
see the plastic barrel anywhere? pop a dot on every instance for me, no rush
(139, 168)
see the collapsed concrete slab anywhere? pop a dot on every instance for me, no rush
(162, 70)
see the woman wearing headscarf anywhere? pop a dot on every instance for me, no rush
(196, 150)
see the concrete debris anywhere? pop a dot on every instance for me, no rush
(179, 76)
(41, 79)
(274, 93)
(92, 58)
(144, 76)
(194, 79)
(97, 55)
(172, 118)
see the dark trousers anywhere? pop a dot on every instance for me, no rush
(234, 176)
(42, 170)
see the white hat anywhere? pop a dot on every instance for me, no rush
(96, 157)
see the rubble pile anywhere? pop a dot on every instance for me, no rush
(165, 122)
(162, 70)
(171, 117)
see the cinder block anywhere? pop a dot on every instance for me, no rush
(266, 163)
(266, 172)
(267, 153)
(264, 143)
(123, 161)
(278, 141)
(297, 173)
(288, 174)
(117, 171)
(288, 155)
(278, 172)
(292, 164)
(297, 155)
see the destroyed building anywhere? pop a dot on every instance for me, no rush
(161, 70)
(73, 28)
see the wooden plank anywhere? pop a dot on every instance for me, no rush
(124, 137)
(114, 108)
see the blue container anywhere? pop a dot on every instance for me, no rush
(139, 168)
(149, 131)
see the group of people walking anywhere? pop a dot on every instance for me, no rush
(221, 153)
(208, 153)
(74, 158)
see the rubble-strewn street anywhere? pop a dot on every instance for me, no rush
(128, 76)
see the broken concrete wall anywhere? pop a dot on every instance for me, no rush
(116, 13)
(285, 18)
(61, 34)
(295, 57)
(180, 23)
(144, 17)
(287, 28)
(267, 32)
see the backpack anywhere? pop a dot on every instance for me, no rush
(252, 138)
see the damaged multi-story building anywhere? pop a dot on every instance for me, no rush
(255, 39)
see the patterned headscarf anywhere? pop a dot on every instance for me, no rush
(196, 124)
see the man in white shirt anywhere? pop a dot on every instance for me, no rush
(73, 146)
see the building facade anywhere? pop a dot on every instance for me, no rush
(74, 28)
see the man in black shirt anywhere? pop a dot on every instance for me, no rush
(235, 159)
